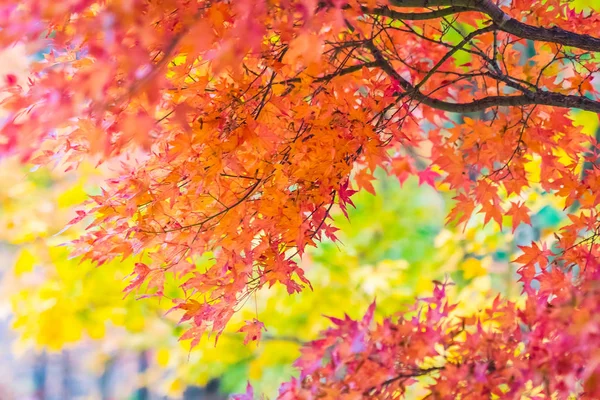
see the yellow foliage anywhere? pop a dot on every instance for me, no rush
(162, 357)
(74, 299)
(73, 196)
(583, 5)
(176, 387)
(472, 267)
(25, 262)
(533, 169)
(586, 120)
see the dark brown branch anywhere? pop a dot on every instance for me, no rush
(411, 374)
(408, 16)
(552, 35)
(540, 98)
(433, 3)
(510, 25)
(530, 98)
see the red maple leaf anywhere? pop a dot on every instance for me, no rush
(344, 194)
(428, 176)
(253, 330)
(142, 271)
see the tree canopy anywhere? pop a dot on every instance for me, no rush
(236, 128)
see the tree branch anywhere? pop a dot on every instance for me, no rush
(510, 25)
(530, 98)
(327, 77)
(409, 16)
(450, 53)
(553, 35)
(540, 98)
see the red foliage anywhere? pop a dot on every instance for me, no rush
(550, 344)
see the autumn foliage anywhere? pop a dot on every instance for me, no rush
(239, 125)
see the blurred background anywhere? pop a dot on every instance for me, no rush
(66, 332)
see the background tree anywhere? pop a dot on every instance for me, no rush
(252, 120)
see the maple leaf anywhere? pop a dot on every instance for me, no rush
(519, 213)
(248, 395)
(142, 271)
(532, 256)
(401, 167)
(368, 317)
(492, 210)
(428, 176)
(191, 307)
(80, 216)
(363, 180)
(344, 194)
(253, 330)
